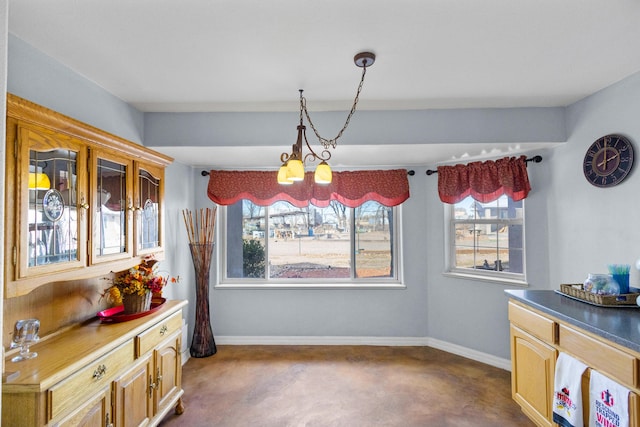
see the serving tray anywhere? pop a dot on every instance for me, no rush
(117, 315)
(576, 291)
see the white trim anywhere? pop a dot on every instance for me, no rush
(469, 353)
(517, 279)
(326, 285)
(376, 341)
(504, 280)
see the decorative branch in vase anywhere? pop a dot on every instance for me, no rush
(201, 232)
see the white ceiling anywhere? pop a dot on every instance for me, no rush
(254, 55)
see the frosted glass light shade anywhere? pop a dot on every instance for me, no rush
(296, 170)
(283, 175)
(323, 174)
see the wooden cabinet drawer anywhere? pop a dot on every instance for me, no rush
(88, 381)
(599, 355)
(535, 324)
(150, 338)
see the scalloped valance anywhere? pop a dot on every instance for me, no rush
(351, 188)
(484, 181)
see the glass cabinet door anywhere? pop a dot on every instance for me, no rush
(148, 199)
(111, 207)
(50, 205)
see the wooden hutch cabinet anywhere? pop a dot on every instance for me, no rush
(80, 202)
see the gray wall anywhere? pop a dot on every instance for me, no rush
(572, 228)
(45, 81)
(591, 227)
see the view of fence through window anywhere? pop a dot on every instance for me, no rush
(488, 236)
(285, 242)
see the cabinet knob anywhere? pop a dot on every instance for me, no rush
(164, 329)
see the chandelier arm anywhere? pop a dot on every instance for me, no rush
(326, 143)
(325, 155)
(284, 157)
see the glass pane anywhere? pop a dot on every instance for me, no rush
(486, 253)
(503, 208)
(148, 218)
(309, 242)
(514, 253)
(373, 240)
(246, 230)
(464, 244)
(52, 214)
(110, 215)
(496, 246)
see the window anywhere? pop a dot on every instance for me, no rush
(486, 240)
(283, 244)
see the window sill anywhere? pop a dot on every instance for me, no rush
(312, 286)
(507, 281)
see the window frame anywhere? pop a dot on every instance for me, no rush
(224, 282)
(499, 277)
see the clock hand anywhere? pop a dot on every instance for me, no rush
(605, 154)
(604, 162)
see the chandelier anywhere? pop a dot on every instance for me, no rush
(292, 169)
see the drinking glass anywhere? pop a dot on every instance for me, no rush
(25, 333)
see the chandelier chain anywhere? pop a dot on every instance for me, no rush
(327, 143)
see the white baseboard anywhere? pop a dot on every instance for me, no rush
(478, 356)
(378, 341)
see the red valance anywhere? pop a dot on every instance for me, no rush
(352, 188)
(484, 181)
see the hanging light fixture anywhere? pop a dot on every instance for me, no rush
(292, 169)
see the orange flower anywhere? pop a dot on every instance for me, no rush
(141, 279)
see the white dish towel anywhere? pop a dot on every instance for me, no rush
(609, 402)
(567, 392)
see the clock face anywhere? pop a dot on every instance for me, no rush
(608, 161)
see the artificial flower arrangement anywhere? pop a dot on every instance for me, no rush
(138, 280)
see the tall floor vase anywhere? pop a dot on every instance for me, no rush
(203, 343)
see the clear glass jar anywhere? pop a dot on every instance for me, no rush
(602, 284)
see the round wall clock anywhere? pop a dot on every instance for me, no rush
(608, 161)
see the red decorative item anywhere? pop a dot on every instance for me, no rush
(117, 314)
(351, 188)
(484, 181)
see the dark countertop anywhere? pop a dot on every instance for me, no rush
(618, 324)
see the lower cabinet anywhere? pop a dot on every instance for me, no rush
(533, 368)
(168, 376)
(102, 375)
(151, 387)
(536, 341)
(132, 406)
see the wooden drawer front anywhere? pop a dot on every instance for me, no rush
(150, 338)
(535, 324)
(86, 382)
(599, 355)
